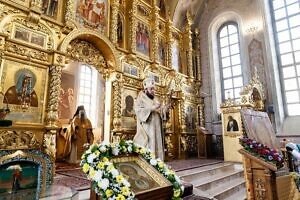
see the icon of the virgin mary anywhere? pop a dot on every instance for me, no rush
(23, 92)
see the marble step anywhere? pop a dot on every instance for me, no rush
(228, 189)
(191, 172)
(240, 195)
(219, 179)
(213, 178)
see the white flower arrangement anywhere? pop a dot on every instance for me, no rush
(108, 182)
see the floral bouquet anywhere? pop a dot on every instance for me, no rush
(108, 182)
(258, 149)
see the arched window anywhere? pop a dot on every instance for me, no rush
(286, 26)
(230, 61)
(88, 91)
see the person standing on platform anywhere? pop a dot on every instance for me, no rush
(150, 114)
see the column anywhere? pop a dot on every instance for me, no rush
(114, 21)
(132, 25)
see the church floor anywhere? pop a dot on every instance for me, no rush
(70, 182)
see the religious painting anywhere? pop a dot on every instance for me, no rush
(161, 51)
(232, 125)
(190, 118)
(130, 69)
(24, 94)
(141, 176)
(50, 8)
(18, 180)
(67, 100)
(28, 36)
(128, 114)
(175, 56)
(259, 128)
(92, 14)
(142, 38)
(120, 31)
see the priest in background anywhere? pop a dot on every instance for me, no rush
(77, 135)
(150, 115)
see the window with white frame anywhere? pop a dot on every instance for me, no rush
(286, 26)
(230, 61)
(87, 91)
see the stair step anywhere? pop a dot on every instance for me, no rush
(241, 194)
(220, 190)
(217, 179)
(202, 169)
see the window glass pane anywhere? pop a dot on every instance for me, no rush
(294, 21)
(227, 83)
(232, 29)
(225, 52)
(278, 3)
(289, 72)
(86, 99)
(283, 36)
(227, 72)
(81, 98)
(296, 44)
(226, 62)
(285, 47)
(290, 1)
(234, 49)
(292, 97)
(233, 39)
(297, 56)
(223, 32)
(295, 32)
(237, 92)
(88, 70)
(287, 59)
(87, 83)
(81, 84)
(224, 42)
(238, 82)
(293, 9)
(290, 84)
(235, 60)
(236, 70)
(228, 94)
(298, 70)
(293, 109)
(281, 25)
(280, 13)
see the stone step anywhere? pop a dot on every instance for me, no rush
(240, 195)
(228, 189)
(201, 169)
(202, 173)
(219, 178)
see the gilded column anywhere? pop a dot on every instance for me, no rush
(114, 21)
(169, 43)
(70, 13)
(197, 41)
(117, 86)
(132, 25)
(189, 47)
(154, 37)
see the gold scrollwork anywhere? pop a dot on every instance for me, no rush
(18, 140)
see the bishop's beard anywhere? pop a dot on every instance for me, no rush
(149, 95)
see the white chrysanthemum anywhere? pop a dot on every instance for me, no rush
(129, 149)
(153, 162)
(98, 175)
(177, 179)
(115, 151)
(102, 148)
(91, 157)
(114, 172)
(126, 183)
(88, 151)
(104, 184)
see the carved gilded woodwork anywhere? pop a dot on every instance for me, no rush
(49, 142)
(189, 55)
(198, 63)
(169, 43)
(6, 10)
(132, 26)
(117, 97)
(19, 139)
(114, 21)
(154, 35)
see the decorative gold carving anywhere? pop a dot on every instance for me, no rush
(154, 46)
(117, 85)
(49, 142)
(169, 44)
(6, 10)
(114, 21)
(18, 140)
(83, 51)
(188, 35)
(25, 52)
(132, 82)
(70, 14)
(259, 189)
(132, 26)
(54, 88)
(169, 145)
(229, 103)
(198, 63)
(143, 11)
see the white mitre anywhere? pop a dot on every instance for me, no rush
(148, 83)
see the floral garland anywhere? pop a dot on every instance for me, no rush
(258, 149)
(108, 182)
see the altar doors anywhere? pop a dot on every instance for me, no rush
(172, 133)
